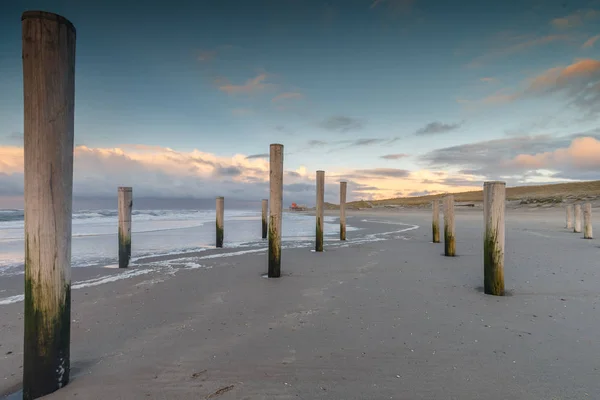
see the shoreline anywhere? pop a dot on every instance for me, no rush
(385, 318)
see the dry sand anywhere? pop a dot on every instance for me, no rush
(391, 319)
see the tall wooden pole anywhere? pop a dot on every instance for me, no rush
(48, 42)
(265, 210)
(125, 204)
(587, 221)
(449, 240)
(220, 219)
(569, 211)
(343, 188)
(320, 201)
(494, 194)
(435, 224)
(577, 227)
(275, 209)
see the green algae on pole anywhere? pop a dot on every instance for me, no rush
(435, 224)
(494, 195)
(587, 221)
(319, 209)
(265, 210)
(275, 209)
(220, 219)
(125, 204)
(343, 187)
(449, 239)
(569, 216)
(577, 226)
(48, 55)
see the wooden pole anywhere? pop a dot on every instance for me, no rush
(125, 205)
(275, 209)
(569, 211)
(435, 224)
(320, 201)
(577, 227)
(494, 195)
(587, 221)
(220, 219)
(265, 210)
(343, 188)
(449, 240)
(48, 42)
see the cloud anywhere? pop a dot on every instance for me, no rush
(582, 154)
(316, 143)
(579, 83)
(590, 42)
(383, 172)
(341, 124)
(520, 44)
(287, 96)
(434, 128)
(253, 85)
(488, 80)
(394, 156)
(514, 158)
(252, 156)
(160, 172)
(575, 19)
(206, 55)
(366, 142)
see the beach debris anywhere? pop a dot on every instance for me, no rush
(219, 392)
(197, 374)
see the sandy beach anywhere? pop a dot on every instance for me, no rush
(387, 318)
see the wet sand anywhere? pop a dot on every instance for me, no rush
(386, 319)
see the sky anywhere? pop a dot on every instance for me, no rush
(181, 99)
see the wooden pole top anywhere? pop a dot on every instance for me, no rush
(125, 189)
(220, 197)
(36, 14)
(276, 144)
(321, 171)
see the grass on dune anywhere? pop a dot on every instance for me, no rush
(554, 193)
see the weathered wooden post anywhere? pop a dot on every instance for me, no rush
(220, 219)
(494, 194)
(587, 221)
(449, 240)
(435, 224)
(320, 201)
(265, 210)
(275, 209)
(125, 203)
(577, 227)
(48, 42)
(569, 211)
(343, 187)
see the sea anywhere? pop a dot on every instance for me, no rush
(155, 232)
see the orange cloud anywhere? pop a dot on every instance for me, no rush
(575, 19)
(561, 76)
(553, 79)
(488, 79)
(590, 42)
(521, 46)
(287, 96)
(583, 152)
(255, 84)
